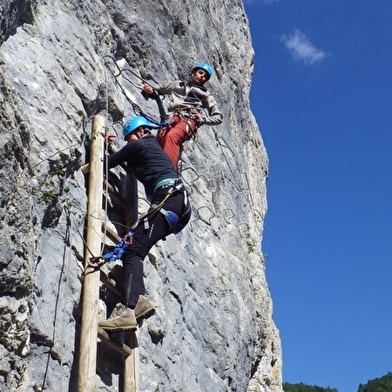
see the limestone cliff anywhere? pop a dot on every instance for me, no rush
(61, 63)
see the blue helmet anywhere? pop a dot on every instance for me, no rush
(205, 67)
(132, 124)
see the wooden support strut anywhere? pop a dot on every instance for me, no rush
(131, 363)
(89, 326)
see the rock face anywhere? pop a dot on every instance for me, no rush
(61, 63)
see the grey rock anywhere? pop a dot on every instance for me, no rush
(61, 63)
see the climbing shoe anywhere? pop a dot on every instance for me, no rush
(143, 309)
(121, 319)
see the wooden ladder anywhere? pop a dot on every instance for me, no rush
(89, 330)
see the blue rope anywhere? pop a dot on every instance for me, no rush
(153, 121)
(119, 249)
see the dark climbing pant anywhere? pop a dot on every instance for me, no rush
(143, 241)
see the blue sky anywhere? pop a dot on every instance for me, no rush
(322, 95)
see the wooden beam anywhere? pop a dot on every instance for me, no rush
(118, 346)
(131, 363)
(110, 284)
(110, 233)
(131, 198)
(89, 326)
(85, 168)
(117, 198)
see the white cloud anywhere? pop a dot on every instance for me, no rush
(301, 48)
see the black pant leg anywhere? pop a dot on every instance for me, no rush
(133, 257)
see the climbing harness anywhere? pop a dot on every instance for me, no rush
(174, 119)
(175, 185)
(174, 221)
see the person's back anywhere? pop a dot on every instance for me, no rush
(149, 163)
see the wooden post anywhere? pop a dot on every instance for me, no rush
(89, 326)
(131, 198)
(131, 362)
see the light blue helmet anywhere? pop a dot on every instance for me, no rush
(205, 67)
(132, 124)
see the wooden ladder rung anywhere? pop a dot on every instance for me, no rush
(118, 346)
(86, 169)
(110, 233)
(110, 283)
(115, 196)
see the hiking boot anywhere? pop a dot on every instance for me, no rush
(121, 319)
(143, 309)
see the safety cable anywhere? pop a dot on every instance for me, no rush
(67, 246)
(136, 108)
(106, 169)
(61, 295)
(58, 152)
